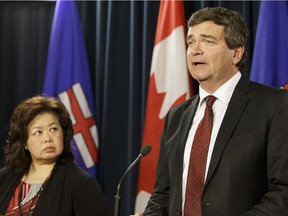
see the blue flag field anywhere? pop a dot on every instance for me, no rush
(270, 59)
(67, 77)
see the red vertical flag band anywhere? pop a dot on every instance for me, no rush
(168, 86)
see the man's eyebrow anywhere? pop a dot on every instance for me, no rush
(209, 36)
(188, 37)
(202, 35)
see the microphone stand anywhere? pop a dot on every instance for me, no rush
(117, 196)
(144, 151)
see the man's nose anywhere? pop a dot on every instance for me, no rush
(196, 49)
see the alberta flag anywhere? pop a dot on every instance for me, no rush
(68, 78)
(168, 86)
(270, 59)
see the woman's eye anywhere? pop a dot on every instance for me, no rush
(54, 129)
(37, 133)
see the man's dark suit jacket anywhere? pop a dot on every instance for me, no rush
(248, 172)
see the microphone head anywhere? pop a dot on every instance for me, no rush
(145, 150)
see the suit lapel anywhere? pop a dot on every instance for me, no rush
(184, 128)
(186, 122)
(234, 111)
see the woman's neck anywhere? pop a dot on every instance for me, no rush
(38, 173)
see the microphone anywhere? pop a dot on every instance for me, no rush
(144, 151)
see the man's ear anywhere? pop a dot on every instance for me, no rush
(238, 53)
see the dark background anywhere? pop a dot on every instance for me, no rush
(119, 36)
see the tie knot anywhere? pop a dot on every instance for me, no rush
(210, 100)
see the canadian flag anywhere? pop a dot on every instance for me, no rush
(168, 86)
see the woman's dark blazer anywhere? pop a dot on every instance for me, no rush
(69, 192)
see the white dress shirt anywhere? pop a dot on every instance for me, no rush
(223, 95)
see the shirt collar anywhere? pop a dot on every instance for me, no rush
(224, 93)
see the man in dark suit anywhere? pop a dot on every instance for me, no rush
(247, 160)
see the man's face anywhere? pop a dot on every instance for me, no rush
(209, 59)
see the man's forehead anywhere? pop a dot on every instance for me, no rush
(205, 28)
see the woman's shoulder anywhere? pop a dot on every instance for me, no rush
(4, 172)
(84, 189)
(72, 168)
(76, 178)
(7, 178)
(73, 172)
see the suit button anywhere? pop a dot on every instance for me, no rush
(207, 204)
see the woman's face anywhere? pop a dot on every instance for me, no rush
(45, 138)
